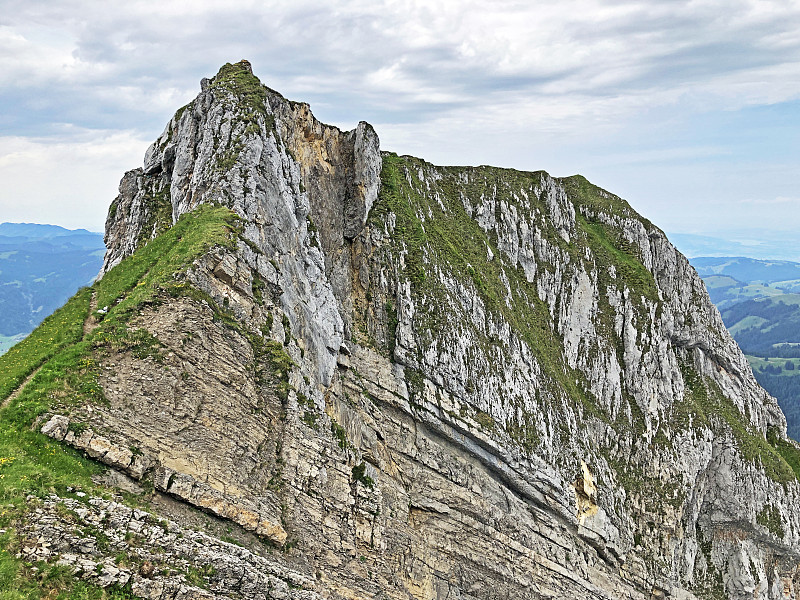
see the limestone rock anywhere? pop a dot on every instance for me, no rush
(430, 382)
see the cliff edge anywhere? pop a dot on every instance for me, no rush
(314, 369)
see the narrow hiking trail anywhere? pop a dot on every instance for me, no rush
(89, 325)
(15, 394)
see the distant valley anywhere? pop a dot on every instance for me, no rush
(759, 301)
(41, 266)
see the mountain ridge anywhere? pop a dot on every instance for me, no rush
(27, 229)
(391, 371)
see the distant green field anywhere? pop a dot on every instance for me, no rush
(725, 291)
(790, 285)
(766, 326)
(783, 367)
(790, 299)
(720, 281)
(746, 323)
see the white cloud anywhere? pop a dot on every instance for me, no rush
(68, 182)
(531, 85)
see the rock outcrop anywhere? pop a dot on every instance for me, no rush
(410, 381)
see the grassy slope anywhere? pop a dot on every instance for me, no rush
(31, 463)
(64, 327)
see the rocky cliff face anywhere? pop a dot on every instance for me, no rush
(397, 380)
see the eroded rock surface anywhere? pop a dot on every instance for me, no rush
(429, 382)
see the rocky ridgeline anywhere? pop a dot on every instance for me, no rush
(409, 381)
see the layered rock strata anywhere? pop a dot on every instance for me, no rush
(495, 384)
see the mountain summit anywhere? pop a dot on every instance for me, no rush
(319, 370)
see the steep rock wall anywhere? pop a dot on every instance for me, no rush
(437, 382)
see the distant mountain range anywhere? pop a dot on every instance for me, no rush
(759, 301)
(734, 280)
(757, 244)
(41, 266)
(37, 231)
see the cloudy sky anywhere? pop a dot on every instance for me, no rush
(689, 110)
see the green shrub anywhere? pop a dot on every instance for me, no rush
(359, 474)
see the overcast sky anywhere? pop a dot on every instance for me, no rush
(689, 110)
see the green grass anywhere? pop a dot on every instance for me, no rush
(69, 378)
(436, 232)
(585, 194)
(140, 276)
(62, 328)
(611, 249)
(239, 79)
(359, 474)
(340, 435)
(31, 463)
(19, 581)
(789, 451)
(485, 420)
(706, 405)
(199, 576)
(408, 229)
(251, 100)
(789, 299)
(770, 517)
(756, 290)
